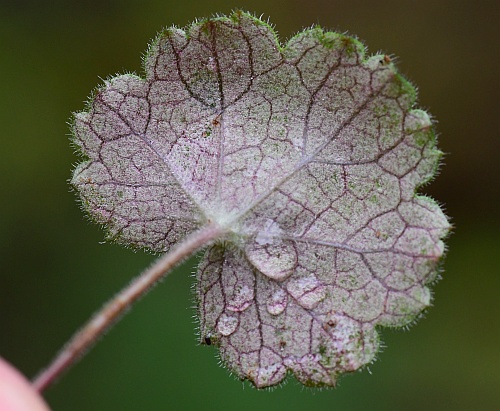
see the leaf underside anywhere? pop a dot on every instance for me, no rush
(308, 155)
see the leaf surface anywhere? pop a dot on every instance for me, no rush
(308, 155)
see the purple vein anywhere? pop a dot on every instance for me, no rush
(308, 159)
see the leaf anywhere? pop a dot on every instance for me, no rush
(308, 157)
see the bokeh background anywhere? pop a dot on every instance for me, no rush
(55, 271)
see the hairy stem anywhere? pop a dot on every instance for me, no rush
(108, 315)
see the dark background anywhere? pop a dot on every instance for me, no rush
(55, 272)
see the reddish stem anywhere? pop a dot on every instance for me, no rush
(110, 313)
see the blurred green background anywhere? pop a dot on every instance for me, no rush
(55, 271)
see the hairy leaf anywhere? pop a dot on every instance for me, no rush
(307, 155)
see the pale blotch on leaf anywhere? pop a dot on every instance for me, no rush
(307, 156)
(276, 304)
